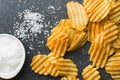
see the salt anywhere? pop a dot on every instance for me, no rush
(11, 54)
(31, 25)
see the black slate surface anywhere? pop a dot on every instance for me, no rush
(9, 10)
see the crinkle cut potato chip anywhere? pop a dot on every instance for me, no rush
(78, 39)
(116, 43)
(113, 66)
(60, 47)
(64, 23)
(97, 10)
(70, 78)
(94, 28)
(51, 41)
(66, 67)
(90, 73)
(111, 50)
(114, 14)
(98, 52)
(77, 15)
(36, 61)
(98, 55)
(110, 32)
(41, 64)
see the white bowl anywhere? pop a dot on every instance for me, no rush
(13, 73)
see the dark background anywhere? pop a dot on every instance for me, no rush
(9, 10)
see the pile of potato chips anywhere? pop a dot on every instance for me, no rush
(95, 21)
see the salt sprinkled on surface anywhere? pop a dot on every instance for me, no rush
(30, 25)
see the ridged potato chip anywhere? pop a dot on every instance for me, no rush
(98, 52)
(66, 67)
(43, 64)
(114, 14)
(57, 35)
(63, 24)
(110, 32)
(113, 66)
(94, 29)
(116, 43)
(97, 10)
(90, 5)
(78, 39)
(90, 73)
(70, 78)
(111, 50)
(77, 15)
(37, 63)
(60, 47)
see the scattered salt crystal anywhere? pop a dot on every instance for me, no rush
(51, 7)
(28, 52)
(58, 8)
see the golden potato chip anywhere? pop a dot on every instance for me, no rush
(37, 63)
(66, 67)
(98, 52)
(90, 73)
(94, 28)
(90, 5)
(110, 32)
(57, 35)
(110, 50)
(114, 14)
(49, 66)
(64, 24)
(97, 10)
(116, 43)
(70, 78)
(67, 31)
(59, 49)
(43, 64)
(78, 39)
(113, 66)
(77, 15)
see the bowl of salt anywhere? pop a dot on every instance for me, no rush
(12, 56)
